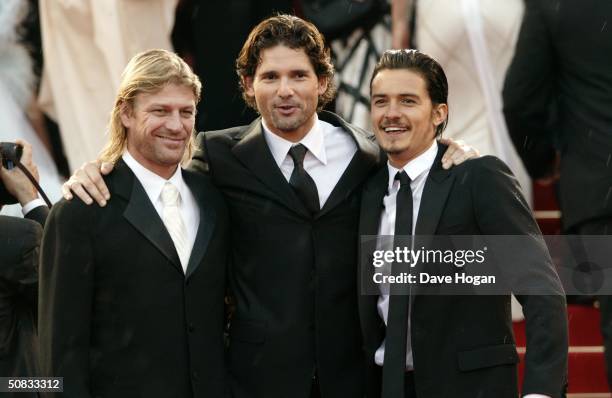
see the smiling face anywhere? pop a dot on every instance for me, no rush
(159, 126)
(286, 90)
(403, 116)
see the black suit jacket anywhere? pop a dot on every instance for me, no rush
(118, 317)
(463, 346)
(19, 252)
(292, 276)
(559, 88)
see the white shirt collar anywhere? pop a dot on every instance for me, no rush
(314, 141)
(151, 182)
(417, 166)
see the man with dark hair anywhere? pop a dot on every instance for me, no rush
(292, 179)
(441, 345)
(19, 249)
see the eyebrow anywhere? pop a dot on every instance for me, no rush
(275, 72)
(400, 95)
(162, 105)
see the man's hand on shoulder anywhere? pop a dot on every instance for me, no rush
(457, 152)
(87, 183)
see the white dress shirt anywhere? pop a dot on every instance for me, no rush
(330, 150)
(153, 184)
(418, 170)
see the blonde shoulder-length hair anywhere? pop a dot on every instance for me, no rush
(147, 72)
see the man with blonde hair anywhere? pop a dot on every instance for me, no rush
(131, 294)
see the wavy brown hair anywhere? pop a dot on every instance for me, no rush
(147, 72)
(295, 33)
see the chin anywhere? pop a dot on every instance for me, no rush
(393, 147)
(171, 159)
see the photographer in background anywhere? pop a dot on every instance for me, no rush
(19, 249)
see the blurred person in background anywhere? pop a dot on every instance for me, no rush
(18, 108)
(19, 249)
(558, 106)
(357, 40)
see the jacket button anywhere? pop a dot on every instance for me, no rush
(191, 327)
(194, 375)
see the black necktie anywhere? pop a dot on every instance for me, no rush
(394, 366)
(301, 182)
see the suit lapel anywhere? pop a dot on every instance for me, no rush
(142, 215)
(436, 190)
(364, 160)
(254, 153)
(372, 202)
(208, 218)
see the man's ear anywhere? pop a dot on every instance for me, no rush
(125, 111)
(323, 83)
(248, 86)
(439, 114)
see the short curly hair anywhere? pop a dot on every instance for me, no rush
(295, 33)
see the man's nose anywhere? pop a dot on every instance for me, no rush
(173, 121)
(392, 111)
(285, 88)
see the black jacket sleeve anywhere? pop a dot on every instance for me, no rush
(38, 214)
(19, 248)
(523, 256)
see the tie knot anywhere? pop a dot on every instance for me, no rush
(169, 195)
(297, 153)
(403, 178)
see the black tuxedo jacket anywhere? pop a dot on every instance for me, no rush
(292, 276)
(559, 89)
(118, 317)
(463, 346)
(19, 253)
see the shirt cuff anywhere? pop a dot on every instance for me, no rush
(31, 205)
(535, 396)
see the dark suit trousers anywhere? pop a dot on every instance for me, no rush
(602, 226)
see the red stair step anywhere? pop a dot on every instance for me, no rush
(583, 327)
(586, 370)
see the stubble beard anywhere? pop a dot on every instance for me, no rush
(291, 123)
